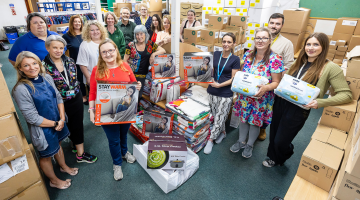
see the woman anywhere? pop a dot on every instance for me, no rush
(64, 72)
(114, 32)
(140, 54)
(93, 33)
(42, 106)
(220, 94)
(164, 37)
(73, 40)
(156, 27)
(110, 63)
(34, 40)
(190, 22)
(204, 73)
(144, 18)
(288, 119)
(169, 68)
(253, 112)
(125, 101)
(160, 128)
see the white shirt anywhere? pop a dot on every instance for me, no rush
(88, 55)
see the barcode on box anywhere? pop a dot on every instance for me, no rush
(198, 33)
(217, 35)
(349, 23)
(332, 42)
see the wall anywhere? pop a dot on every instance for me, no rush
(332, 8)
(7, 19)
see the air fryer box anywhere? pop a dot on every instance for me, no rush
(195, 65)
(167, 155)
(164, 67)
(319, 164)
(169, 138)
(155, 121)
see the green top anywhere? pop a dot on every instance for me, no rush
(128, 31)
(334, 76)
(118, 38)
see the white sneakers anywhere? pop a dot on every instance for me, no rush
(118, 175)
(221, 136)
(129, 158)
(208, 147)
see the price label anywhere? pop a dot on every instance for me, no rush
(252, 5)
(257, 25)
(230, 3)
(257, 1)
(242, 3)
(218, 1)
(225, 10)
(20, 164)
(238, 9)
(245, 10)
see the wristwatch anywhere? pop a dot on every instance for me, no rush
(56, 124)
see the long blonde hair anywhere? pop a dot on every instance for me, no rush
(86, 31)
(102, 70)
(21, 77)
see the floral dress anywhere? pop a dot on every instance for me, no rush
(252, 110)
(140, 63)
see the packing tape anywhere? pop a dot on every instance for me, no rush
(22, 188)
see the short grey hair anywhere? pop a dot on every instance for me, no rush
(52, 38)
(141, 28)
(123, 9)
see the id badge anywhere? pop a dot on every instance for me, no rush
(70, 93)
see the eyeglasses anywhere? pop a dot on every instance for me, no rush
(261, 39)
(111, 51)
(143, 9)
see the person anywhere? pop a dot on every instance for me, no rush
(126, 26)
(73, 40)
(164, 37)
(161, 126)
(144, 18)
(257, 110)
(110, 63)
(288, 119)
(140, 54)
(42, 106)
(190, 22)
(281, 46)
(156, 27)
(93, 33)
(124, 102)
(64, 72)
(204, 73)
(114, 32)
(34, 40)
(220, 94)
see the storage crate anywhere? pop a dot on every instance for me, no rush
(21, 29)
(12, 35)
(22, 33)
(12, 40)
(10, 29)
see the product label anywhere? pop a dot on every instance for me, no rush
(214, 8)
(349, 23)
(257, 25)
(225, 10)
(217, 48)
(249, 24)
(241, 14)
(209, 8)
(249, 45)
(20, 164)
(222, 34)
(238, 10)
(342, 40)
(207, 12)
(218, 1)
(5, 173)
(203, 48)
(257, 1)
(198, 33)
(204, 8)
(220, 8)
(216, 34)
(252, 32)
(225, 20)
(265, 24)
(206, 21)
(242, 3)
(230, 3)
(252, 5)
(332, 42)
(244, 10)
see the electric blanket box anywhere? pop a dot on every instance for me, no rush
(164, 67)
(167, 155)
(155, 121)
(354, 85)
(319, 164)
(198, 67)
(218, 21)
(246, 83)
(169, 138)
(340, 116)
(116, 103)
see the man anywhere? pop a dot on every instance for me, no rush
(281, 46)
(126, 26)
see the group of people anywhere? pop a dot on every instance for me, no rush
(51, 87)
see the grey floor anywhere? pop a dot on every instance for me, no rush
(222, 174)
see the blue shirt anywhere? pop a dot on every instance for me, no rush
(29, 42)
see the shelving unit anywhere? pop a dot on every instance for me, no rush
(63, 6)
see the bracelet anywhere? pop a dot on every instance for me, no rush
(92, 108)
(62, 120)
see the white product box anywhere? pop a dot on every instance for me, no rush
(218, 10)
(260, 15)
(243, 3)
(229, 11)
(241, 11)
(217, 3)
(263, 3)
(231, 3)
(249, 44)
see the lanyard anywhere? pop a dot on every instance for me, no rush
(142, 20)
(300, 72)
(66, 78)
(219, 73)
(275, 40)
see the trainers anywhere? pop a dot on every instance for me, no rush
(86, 157)
(129, 158)
(269, 163)
(237, 146)
(220, 137)
(262, 135)
(118, 175)
(208, 147)
(247, 153)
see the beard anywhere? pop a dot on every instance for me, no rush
(276, 32)
(125, 19)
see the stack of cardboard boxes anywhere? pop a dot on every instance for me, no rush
(117, 7)
(19, 173)
(154, 7)
(185, 7)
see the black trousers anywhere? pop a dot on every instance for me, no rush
(288, 119)
(80, 78)
(142, 80)
(74, 109)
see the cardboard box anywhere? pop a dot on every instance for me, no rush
(184, 7)
(330, 136)
(345, 25)
(5, 98)
(337, 61)
(205, 47)
(332, 45)
(243, 3)
(330, 56)
(223, 32)
(198, 15)
(151, 13)
(339, 57)
(355, 41)
(118, 6)
(218, 47)
(241, 39)
(167, 155)
(353, 64)
(340, 53)
(341, 48)
(354, 85)
(341, 36)
(210, 36)
(197, 7)
(36, 191)
(340, 42)
(301, 189)
(355, 129)
(238, 21)
(218, 21)
(53, 27)
(193, 35)
(340, 116)
(354, 165)
(357, 29)
(296, 20)
(296, 39)
(319, 164)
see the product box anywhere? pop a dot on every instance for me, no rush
(243, 3)
(260, 15)
(156, 121)
(357, 29)
(193, 35)
(332, 51)
(345, 25)
(354, 85)
(300, 189)
(340, 53)
(224, 31)
(164, 67)
(296, 39)
(238, 21)
(218, 21)
(5, 97)
(355, 41)
(330, 136)
(341, 36)
(342, 48)
(198, 67)
(263, 3)
(184, 7)
(218, 47)
(116, 103)
(205, 47)
(210, 36)
(340, 116)
(353, 64)
(338, 61)
(36, 191)
(296, 20)
(197, 7)
(230, 3)
(241, 38)
(167, 155)
(340, 42)
(330, 56)
(241, 12)
(332, 45)
(319, 164)
(354, 168)
(339, 57)
(169, 138)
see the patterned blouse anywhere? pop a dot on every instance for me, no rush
(59, 81)
(139, 61)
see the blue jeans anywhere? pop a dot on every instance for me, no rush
(117, 137)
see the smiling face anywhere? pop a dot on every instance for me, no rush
(108, 52)
(275, 25)
(155, 21)
(206, 61)
(143, 11)
(110, 20)
(30, 67)
(190, 16)
(166, 24)
(313, 48)
(129, 92)
(95, 33)
(55, 49)
(38, 26)
(262, 40)
(140, 37)
(169, 58)
(77, 23)
(125, 15)
(227, 43)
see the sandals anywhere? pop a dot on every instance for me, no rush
(73, 173)
(65, 186)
